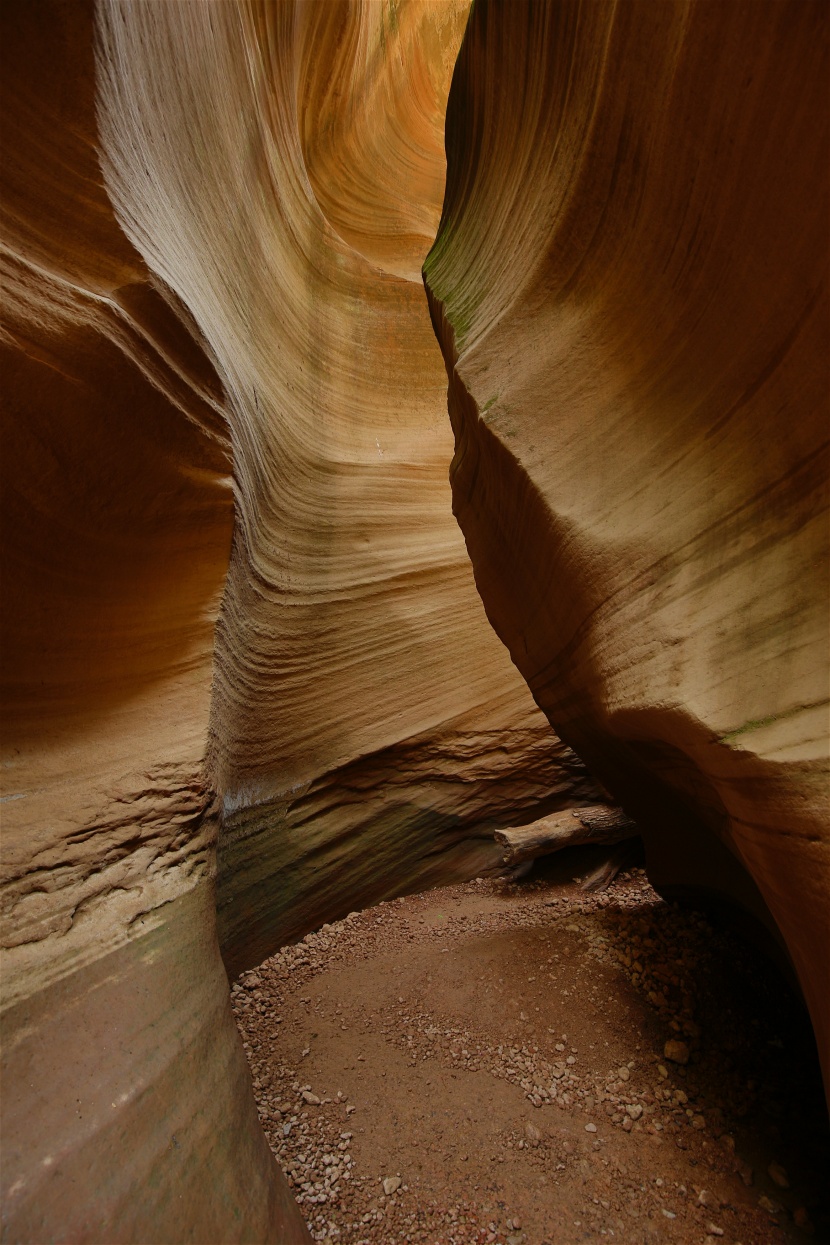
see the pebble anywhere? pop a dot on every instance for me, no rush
(592, 1128)
(391, 1185)
(801, 1219)
(634, 1110)
(676, 1051)
(777, 1173)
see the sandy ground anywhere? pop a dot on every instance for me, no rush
(488, 1062)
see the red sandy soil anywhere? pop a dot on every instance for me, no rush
(496, 1054)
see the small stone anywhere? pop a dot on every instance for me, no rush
(801, 1219)
(777, 1173)
(590, 1128)
(744, 1171)
(311, 1099)
(662, 1071)
(391, 1185)
(634, 1110)
(623, 1074)
(627, 1124)
(533, 1133)
(676, 1051)
(714, 1230)
(767, 1204)
(698, 1121)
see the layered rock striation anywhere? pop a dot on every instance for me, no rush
(127, 1108)
(365, 721)
(630, 289)
(241, 611)
(241, 608)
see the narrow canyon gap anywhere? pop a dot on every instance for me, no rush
(239, 610)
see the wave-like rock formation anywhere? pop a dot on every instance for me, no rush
(127, 1108)
(238, 605)
(239, 610)
(630, 287)
(365, 721)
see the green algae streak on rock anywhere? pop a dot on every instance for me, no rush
(630, 289)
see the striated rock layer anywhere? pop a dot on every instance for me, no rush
(127, 1108)
(630, 289)
(365, 721)
(240, 605)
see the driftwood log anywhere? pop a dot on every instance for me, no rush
(573, 828)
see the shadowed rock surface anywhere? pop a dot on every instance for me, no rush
(630, 287)
(212, 245)
(239, 610)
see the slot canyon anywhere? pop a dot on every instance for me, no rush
(415, 427)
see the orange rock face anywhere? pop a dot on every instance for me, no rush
(365, 721)
(241, 605)
(239, 610)
(630, 288)
(123, 1078)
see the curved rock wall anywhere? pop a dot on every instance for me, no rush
(365, 720)
(227, 320)
(630, 288)
(127, 1108)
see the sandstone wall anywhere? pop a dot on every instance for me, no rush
(365, 720)
(630, 288)
(127, 1109)
(240, 605)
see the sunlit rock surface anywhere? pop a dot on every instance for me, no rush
(630, 288)
(213, 307)
(127, 1108)
(365, 719)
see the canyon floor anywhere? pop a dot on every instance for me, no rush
(489, 1063)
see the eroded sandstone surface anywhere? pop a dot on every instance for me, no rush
(365, 720)
(238, 607)
(630, 287)
(238, 595)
